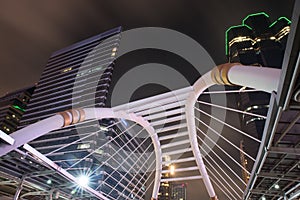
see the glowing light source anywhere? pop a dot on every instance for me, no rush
(18, 107)
(276, 186)
(84, 146)
(67, 70)
(255, 14)
(83, 180)
(49, 181)
(263, 198)
(226, 35)
(172, 169)
(244, 24)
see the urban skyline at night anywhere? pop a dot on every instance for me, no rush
(160, 107)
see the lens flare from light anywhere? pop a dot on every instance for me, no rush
(83, 180)
(172, 169)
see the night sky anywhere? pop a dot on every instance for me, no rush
(31, 30)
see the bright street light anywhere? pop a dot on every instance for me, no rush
(83, 180)
(172, 169)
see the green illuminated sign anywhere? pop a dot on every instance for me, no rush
(18, 107)
(280, 18)
(255, 14)
(226, 35)
(245, 25)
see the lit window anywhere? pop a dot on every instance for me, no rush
(103, 128)
(18, 108)
(84, 146)
(172, 169)
(67, 69)
(99, 151)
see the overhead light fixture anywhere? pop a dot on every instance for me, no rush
(49, 181)
(172, 169)
(263, 198)
(276, 186)
(83, 180)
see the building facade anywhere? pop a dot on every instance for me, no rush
(256, 42)
(79, 76)
(12, 108)
(178, 191)
(165, 189)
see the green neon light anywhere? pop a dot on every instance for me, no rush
(255, 14)
(245, 25)
(286, 19)
(18, 107)
(273, 23)
(280, 18)
(226, 35)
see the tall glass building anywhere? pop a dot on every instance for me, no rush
(79, 76)
(12, 108)
(74, 77)
(257, 42)
(179, 191)
(261, 43)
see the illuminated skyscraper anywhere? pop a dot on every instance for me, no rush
(165, 190)
(257, 42)
(260, 43)
(79, 76)
(74, 77)
(12, 108)
(178, 191)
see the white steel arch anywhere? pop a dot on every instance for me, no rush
(181, 103)
(261, 78)
(74, 116)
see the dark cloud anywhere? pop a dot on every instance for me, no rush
(31, 30)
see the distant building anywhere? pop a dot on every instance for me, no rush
(260, 43)
(79, 76)
(178, 191)
(12, 108)
(257, 42)
(164, 190)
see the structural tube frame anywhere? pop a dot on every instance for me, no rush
(99, 113)
(261, 78)
(66, 118)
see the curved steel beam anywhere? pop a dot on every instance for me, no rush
(100, 113)
(261, 78)
(66, 118)
(200, 85)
